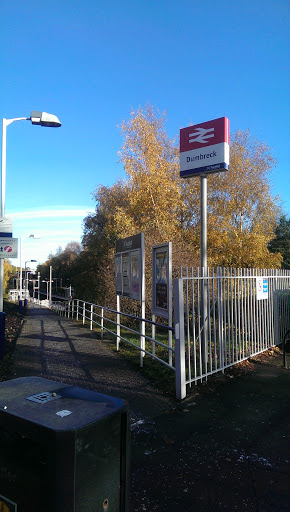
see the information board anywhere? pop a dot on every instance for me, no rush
(162, 279)
(262, 288)
(129, 266)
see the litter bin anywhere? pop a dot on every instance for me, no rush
(62, 448)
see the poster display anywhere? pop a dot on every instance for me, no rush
(162, 280)
(129, 267)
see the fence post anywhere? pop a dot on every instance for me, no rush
(276, 309)
(118, 324)
(84, 312)
(102, 323)
(180, 372)
(78, 305)
(220, 319)
(91, 319)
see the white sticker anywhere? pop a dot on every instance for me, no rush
(63, 413)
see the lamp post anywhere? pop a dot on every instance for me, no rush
(47, 283)
(38, 118)
(25, 276)
(20, 254)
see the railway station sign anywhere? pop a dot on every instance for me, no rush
(204, 148)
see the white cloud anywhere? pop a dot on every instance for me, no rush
(56, 227)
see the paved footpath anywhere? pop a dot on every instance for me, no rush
(224, 449)
(57, 348)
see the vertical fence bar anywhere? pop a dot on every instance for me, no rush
(235, 314)
(224, 317)
(228, 324)
(102, 323)
(180, 372)
(220, 319)
(187, 326)
(214, 281)
(199, 325)
(209, 320)
(254, 311)
(78, 305)
(193, 301)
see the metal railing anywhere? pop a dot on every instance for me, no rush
(218, 321)
(236, 325)
(124, 327)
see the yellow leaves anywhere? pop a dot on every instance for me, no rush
(242, 213)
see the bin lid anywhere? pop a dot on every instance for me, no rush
(55, 405)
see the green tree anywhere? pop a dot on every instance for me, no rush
(281, 242)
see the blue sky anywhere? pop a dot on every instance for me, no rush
(90, 62)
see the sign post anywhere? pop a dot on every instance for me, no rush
(204, 149)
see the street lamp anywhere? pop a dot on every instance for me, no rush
(26, 276)
(42, 119)
(20, 271)
(47, 283)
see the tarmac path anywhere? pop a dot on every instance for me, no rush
(56, 348)
(225, 448)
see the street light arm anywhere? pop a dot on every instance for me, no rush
(9, 121)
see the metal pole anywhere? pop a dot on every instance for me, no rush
(3, 186)
(50, 284)
(20, 270)
(203, 265)
(3, 183)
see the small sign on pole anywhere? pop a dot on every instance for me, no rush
(8, 248)
(6, 227)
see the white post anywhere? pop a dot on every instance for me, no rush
(102, 323)
(118, 324)
(3, 185)
(84, 312)
(180, 371)
(50, 285)
(91, 319)
(20, 271)
(153, 334)
(143, 305)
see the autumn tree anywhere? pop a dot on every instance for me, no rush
(242, 214)
(9, 271)
(64, 264)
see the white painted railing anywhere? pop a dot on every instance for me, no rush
(218, 320)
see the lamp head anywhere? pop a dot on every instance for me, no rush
(44, 119)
